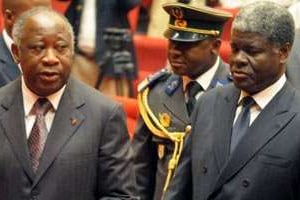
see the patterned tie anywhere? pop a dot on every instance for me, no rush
(193, 88)
(38, 135)
(242, 122)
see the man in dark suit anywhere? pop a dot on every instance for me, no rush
(85, 154)
(245, 138)
(164, 101)
(9, 70)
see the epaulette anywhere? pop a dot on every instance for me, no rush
(222, 82)
(153, 79)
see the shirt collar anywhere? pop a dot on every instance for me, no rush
(205, 79)
(29, 98)
(263, 97)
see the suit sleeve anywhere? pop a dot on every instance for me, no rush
(145, 161)
(115, 179)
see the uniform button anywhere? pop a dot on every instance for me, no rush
(188, 128)
(35, 192)
(246, 183)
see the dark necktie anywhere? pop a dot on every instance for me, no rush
(242, 122)
(193, 88)
(39, 132)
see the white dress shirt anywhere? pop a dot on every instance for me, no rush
(262, 98)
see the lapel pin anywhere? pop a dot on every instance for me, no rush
(73, 121)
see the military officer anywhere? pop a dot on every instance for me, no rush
(166, 98)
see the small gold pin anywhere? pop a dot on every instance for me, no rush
(164, 119)
(73, 121)
(160, 151)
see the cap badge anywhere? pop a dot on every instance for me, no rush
(180, 23)
(164, 119)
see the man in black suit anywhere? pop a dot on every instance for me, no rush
(59, 139)
(9, 70)
(245, 137)
(164, 101)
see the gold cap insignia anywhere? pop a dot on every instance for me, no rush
(161, 151)
(177, 13)
(180, 23)
(164, 119)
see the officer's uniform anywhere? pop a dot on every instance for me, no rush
(164, 121)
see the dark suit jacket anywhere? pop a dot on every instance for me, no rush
(112, 13)
(265, 164)
(150, 170)
(9, 70)
(86, 156)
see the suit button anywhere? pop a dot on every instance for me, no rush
(35, 193)
(204, 170)
(246, 183)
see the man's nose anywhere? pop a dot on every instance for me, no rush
(50, 57)
(238, 58)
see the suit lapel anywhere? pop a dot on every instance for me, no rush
(227, 104)
(13, 124)
(277, 115)
(67, 120)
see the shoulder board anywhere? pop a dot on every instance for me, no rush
(153, 79)
(172, 84)
(222, 82)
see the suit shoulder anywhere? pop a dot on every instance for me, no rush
(92, 96)
(216, 92)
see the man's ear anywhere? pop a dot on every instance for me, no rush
(284, 52)
(216, 44)
(16, 53)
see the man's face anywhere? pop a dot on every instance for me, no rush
(45, 54)
(255, 63)
(192, 58)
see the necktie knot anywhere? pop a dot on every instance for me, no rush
(247, 101)
(41, 106)
(193, 87)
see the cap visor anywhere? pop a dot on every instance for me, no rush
(183, 36)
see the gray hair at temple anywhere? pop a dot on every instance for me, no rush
(18, 27)
(269, 20)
